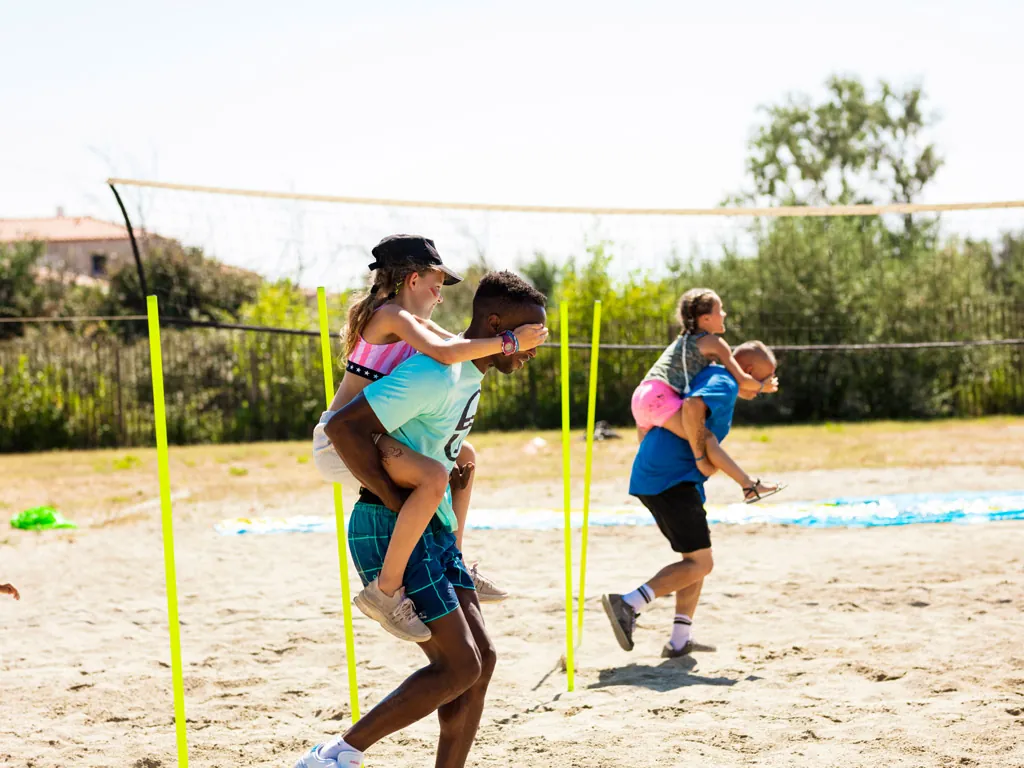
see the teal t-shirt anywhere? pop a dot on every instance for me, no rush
(429, 407)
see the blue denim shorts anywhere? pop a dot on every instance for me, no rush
(435, 568)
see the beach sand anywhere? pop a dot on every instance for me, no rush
(890, 646)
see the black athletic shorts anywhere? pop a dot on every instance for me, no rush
(680, 514)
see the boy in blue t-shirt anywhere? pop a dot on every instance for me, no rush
(667, 480)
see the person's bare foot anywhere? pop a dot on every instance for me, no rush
(9, 589)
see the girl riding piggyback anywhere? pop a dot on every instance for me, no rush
(386, 326)
(658, 401)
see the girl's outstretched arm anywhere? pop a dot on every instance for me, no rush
(407, 327)
(431, 325)
(716, 347)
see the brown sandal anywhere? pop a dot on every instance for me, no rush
(748, 499)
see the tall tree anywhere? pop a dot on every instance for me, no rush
(188, 283)
(20, 293)
(543, 273)
(854, 146)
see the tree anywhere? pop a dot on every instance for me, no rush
(853, 147)
(281, 304)
(456, 311)
(20, 294)
(543, 273)
(187, 283)
(1005, 268)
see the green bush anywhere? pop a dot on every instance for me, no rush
(809, 281)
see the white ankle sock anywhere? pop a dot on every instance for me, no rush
(339, 749)
(640, 598)
(682, 626)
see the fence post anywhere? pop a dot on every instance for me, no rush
(254, 406)
(121, 437)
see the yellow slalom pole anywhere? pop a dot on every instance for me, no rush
(156, 367)
(595, 341)
(339, 515)
(566, 445)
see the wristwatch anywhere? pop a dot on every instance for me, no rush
(509, 343)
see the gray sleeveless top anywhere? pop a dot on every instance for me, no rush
(679, 363)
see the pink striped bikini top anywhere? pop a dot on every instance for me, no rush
(371, 361)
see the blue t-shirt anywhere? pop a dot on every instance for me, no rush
(665, 460)
(429, 407)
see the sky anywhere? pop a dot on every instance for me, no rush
(613, 104)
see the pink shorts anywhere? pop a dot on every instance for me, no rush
(653, 403)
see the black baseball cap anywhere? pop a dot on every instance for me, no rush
(395, 250)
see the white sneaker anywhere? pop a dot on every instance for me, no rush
(486, 590)
(396, 614)
(312, 759)
(349, 760)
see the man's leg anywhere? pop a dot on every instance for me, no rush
(686, 599)
(460, 717)
(455, 663)
(679, 642)
(462, 488)
(622, 610)
(455, 666)
(681, 517)
(678, 576)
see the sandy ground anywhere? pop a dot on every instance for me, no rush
(895, 647)
(802, 486)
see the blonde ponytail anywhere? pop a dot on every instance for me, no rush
(387, 282)
(363, 306)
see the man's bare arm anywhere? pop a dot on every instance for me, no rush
(351, 432)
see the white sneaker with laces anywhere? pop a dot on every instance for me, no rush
(486, 590)
(396, 614)
(349, 760)
(312, 759)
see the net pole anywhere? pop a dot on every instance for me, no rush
(567, 494)
(170, 577)
(595, 341)
(131, 238)
(339, 514)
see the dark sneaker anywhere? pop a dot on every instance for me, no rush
(670, 652)
(623, 619)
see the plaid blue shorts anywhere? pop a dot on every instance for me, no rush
(435, 568)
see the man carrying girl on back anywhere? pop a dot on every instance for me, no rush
(386, 326)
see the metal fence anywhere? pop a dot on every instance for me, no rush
(64, 389)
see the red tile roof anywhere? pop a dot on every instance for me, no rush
(60, 229)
